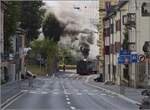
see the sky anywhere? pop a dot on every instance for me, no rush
(84, 13)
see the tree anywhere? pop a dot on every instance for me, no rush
(52, 28)
(48, 49)
(11, 17)
(31, 18)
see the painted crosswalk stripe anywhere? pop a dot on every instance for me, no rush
(73, 108)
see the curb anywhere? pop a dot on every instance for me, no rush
(117, 94)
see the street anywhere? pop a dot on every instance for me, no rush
(64, 92)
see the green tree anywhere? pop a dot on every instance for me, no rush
(31, 18)
(48, 49)
(52, 28)
(11, 17)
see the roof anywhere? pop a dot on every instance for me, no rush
(113, 9)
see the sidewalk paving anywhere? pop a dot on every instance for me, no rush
(124, 92)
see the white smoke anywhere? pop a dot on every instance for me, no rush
(80, 24)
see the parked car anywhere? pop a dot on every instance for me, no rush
(99, 78)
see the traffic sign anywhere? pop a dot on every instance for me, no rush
(124, 59)
(134, 58)
(124, 52)
(121, 60)
(141, 58)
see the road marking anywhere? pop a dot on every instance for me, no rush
(11, 98)
(68, 103)
(85, 90)
(55, 93)
(73, 108)
(102, 94)
(67, 99)
(66, 96)
(114, 93)
(24, 90)
(12, 101)
(66, 93)
(79, 93)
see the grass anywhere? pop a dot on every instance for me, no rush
(68, 66)
(35, 69)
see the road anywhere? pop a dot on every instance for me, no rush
(65, 92)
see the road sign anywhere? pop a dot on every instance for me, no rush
(141, 58)
(134, 58)
(124, 52)
(121, 60)
(124, 59)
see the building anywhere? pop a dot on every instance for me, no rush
(3, 7)
(11, 64)
(126, 27)
(101, 40)
(113, 40)
(139, 32)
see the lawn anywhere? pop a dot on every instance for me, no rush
(35, 69)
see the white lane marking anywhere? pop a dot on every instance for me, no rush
(67, 99)
(85, 90)
(67, 93)
(103, 94)
(79, 93)
(10, 98)
(12, 101)
(63, 87)
(24, 90)
(55, 93)
(73, 108)
(90, 93)
(68, 103)
(38, 92)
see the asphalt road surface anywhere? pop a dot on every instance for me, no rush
(66, 92)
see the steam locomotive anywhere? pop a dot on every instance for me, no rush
(85, 67)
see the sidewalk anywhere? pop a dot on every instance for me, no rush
(13, 88)
(131, 94)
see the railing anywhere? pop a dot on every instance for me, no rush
(8, 57)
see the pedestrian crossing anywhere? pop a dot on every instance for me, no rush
(67, 92)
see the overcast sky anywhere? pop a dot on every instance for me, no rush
(83, 12)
